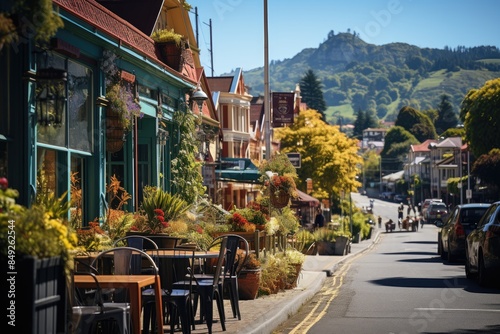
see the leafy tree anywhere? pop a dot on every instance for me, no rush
(312, 94)
(486, 168)
(415, 122)
(364, 120)
(447, 118)
(328, 156)
(480, 113)
(397, 142)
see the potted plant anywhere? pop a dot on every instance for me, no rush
(282, 187)
(170, 47)
(122, 106)
(325, 240)
(249, 278)
(295, 259)
(305, 242)
(37, 244)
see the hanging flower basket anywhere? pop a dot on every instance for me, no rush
(115, 132)
(279, 199)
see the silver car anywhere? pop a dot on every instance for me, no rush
(437, 211)
(482, 247)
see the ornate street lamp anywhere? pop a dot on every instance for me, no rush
(51, 96)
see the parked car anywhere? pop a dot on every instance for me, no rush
(437, 211)
(482, 247)
(426, 204)
(400, 199)
(461, 221)
(387, 195)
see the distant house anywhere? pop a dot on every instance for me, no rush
(373, 139)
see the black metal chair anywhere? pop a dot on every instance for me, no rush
(87, 318)
(177, 298)
(237, 252)
(209, 290)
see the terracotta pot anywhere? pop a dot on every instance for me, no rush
(248, 284)
(171, 54)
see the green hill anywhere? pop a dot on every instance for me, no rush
(382, 79)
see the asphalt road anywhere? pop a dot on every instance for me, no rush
(399, 286)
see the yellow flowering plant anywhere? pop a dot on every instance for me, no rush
(41, 231)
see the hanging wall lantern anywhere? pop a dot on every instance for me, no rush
(51, 96)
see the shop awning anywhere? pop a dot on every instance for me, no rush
(306, 199)
(240, 170)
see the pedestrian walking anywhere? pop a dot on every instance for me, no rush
(319, 220)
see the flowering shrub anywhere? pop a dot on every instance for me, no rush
(93, 238)
(119, 93)
(283, 184)
(240, 223)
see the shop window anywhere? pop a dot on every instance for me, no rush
(78, 118)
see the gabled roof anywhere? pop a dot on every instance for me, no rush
(233, 84)
(220, 84)
(423, 147)
(450, 142)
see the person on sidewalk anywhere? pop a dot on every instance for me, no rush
(319, 220)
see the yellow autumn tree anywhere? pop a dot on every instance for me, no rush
(328, 156)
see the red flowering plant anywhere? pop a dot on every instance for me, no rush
(240, 223)
(284, 184)
(154, 225)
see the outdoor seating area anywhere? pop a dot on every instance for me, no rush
(128, 289)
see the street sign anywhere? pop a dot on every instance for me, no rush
(468, 193)
(294, 159)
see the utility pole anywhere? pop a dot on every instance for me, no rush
(267, 112)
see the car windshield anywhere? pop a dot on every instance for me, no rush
(438, 206)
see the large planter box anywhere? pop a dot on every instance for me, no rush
(325, 247)
(40, 295)
(163, 241)
(342, 245)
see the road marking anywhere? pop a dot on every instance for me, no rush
(329, 294)
(455, 309)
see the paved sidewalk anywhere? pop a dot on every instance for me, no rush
(266, 313)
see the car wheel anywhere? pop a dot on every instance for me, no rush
(440, 245)
(444, 254)
(451, 258)
(468, 273)
(482, 274)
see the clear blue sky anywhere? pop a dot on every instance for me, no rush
(238, 26)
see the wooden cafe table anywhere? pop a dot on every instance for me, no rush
(133, 283)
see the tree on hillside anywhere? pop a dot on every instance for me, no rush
(312, 94)
(480, 113)
(397, 142)
(328, 156)
(447, 118)
(415, 122)
(364, 120)
(486, 168)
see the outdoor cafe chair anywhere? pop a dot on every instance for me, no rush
(237, 252)
(87, 318)
(209, 290)
(178, 299)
